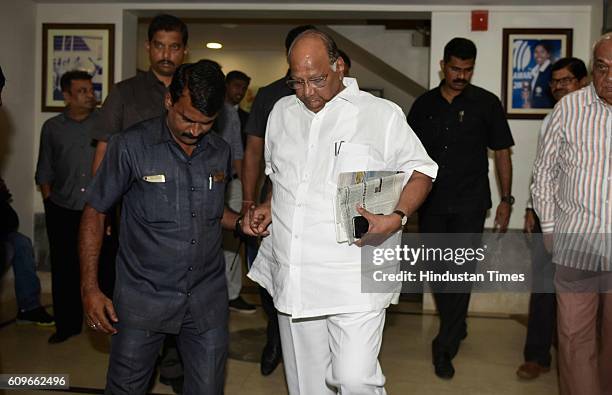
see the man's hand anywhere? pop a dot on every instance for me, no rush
(381, 227)
(257, 220)
(99, 311)
(530, 221)
(502, 217)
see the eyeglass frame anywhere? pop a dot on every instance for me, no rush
(316, 82)
(561, 81)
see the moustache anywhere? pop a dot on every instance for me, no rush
(460, 81)
(192, 137)
(166, 63)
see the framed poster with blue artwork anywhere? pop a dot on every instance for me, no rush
(86, 47)
(527, 59)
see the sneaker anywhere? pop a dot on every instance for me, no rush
(239, 305)
(38, 316)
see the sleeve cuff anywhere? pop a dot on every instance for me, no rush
(547, 226)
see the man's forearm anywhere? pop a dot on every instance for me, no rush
(237, 165)
(414, 193)
(228, 221)
(91, 233)
(503, 166)
(251, 165)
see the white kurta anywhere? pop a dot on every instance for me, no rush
(306, 271)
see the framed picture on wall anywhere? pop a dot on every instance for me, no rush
(528, 55)
(86, 47)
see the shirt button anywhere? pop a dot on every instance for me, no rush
(193, 214)
(82, 189)
(189, 163)
(296, 237)
(190, 268)
(193, 241)
(192, 189)
(188, 293)
(446, 147)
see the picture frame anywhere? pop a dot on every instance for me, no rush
(528, 55)
(76, 46)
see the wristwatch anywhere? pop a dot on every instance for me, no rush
(238, 226)
(402, 216)
(508, 199)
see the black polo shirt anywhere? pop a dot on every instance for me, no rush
(263, 104)
(456, 135)
(131, 101)
(169, 257)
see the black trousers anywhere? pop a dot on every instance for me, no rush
(134, 352)
(63, 233)
(452, 306)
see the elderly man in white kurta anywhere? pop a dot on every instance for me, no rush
(331, 332)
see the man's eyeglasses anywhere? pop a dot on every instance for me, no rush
(316, 82)
(561, 81)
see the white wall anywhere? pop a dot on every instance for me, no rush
(17, 29)
(456, 23)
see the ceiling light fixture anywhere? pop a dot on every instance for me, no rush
(214, 45)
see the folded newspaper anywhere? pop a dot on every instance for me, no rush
(376, 191)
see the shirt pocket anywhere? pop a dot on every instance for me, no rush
(349, 157)
(160, 202)
(215, 197)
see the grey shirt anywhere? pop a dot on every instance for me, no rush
(131, 101)
(64, 159)
(169, 259)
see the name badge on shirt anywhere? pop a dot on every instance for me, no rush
(155, 178)
(219, 176)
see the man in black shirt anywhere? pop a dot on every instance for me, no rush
(170, 174)
(251, 167)
(457, 123)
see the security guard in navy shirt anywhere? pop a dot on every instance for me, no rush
(170, 174)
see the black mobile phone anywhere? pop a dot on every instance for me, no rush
(361, 226)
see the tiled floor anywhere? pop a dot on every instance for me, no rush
(486, 363)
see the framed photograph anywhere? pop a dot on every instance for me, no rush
(528, 55)
(87, 47)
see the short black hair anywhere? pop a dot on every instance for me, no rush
(2, 79)
(461, 48)
(574, 65)
(545, 45)
(205, 82)
(168, 23)
(345, 57)
(293, 33)
(237, 75)
(73, 75)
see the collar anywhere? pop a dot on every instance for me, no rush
(66, 118)
(544, 65)
(152, 79)
(467, 93)
(349, 94)
(591, 97)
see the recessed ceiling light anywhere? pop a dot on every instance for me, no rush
(214, 45)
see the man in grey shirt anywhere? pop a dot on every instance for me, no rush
(63, 174)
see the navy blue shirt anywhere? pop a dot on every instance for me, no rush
(456, 135)
(169, 257)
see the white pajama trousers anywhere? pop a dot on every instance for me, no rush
(333, 354)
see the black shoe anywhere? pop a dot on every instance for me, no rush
(58, 338)
(38, 316)
(443, 367)
(175, 383)
(239, 305)
(271, 357)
